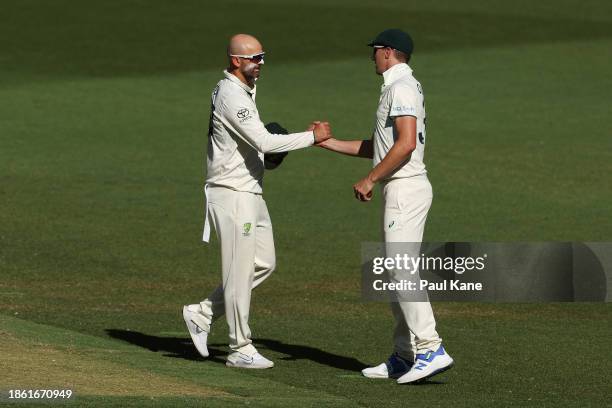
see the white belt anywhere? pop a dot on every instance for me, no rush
(206, 233)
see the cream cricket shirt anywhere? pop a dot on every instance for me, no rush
(237, 139)
(401, 95)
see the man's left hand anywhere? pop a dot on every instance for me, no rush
(363, 189)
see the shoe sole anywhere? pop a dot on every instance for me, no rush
(383, 377)
(252, 367)
(438, 371)
(193, 336)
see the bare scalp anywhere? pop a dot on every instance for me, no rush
(244, 44)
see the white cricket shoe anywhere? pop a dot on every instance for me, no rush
(240, 360)
(427, 365)
(394, 367)
(198, 329)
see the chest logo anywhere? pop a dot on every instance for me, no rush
(242, 113)
(246, 229)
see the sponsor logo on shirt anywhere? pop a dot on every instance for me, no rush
(403, 109)
(244, 114)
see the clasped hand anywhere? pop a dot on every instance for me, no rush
(321, 130)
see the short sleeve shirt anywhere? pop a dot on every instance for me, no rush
(401, 95)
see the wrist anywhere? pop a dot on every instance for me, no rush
(372, 178)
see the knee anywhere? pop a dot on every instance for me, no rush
(271, 266)
(262, 271)
(267, 267)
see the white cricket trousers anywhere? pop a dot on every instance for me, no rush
(406, 204)
(244, 231)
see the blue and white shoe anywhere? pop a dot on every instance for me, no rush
(427, 365)
(394, 367)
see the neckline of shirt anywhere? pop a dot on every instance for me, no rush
(238, 82)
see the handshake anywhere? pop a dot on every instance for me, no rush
(321, 130)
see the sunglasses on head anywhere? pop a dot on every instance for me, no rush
(378, 47)
(256, 58)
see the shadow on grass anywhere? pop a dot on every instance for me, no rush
(300, 352)
(176, 347)
(182, 347)
(424, 383)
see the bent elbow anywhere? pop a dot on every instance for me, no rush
(408, 149)
(264, 146)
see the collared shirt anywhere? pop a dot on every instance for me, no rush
(237, 138)
(401, 95)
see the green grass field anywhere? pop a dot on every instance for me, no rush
(103, 117)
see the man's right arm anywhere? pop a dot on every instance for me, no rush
(248, 126)
(356, 148)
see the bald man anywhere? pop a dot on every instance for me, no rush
(237, 142)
